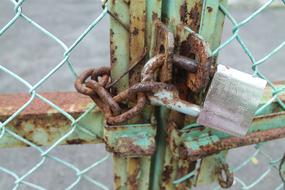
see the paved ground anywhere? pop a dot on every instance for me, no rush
(31, 55)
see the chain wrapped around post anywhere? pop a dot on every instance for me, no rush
(96, 84)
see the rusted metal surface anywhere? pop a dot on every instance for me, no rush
(225, 143)
(193, 13)
(170, 167)
(71, 102)
(136, 38)
(133, 169)
(234, 142)
(95, 82)
(43, 125)
(163, 43)
(156, 63)
(130, 173)
(45, 119)
(185, 63)
(170, 98)
(210, 26)
(225, 176)
(103, 98)
(197, 48)
(130, 140)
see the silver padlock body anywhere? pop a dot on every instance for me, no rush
(231, 101)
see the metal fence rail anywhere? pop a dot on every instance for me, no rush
(76, 124)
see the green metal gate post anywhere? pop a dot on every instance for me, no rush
(130, 29)
(160, 148)
(130, 32)
(206, 18)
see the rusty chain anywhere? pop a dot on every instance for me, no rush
(96, 84)
(225, 176)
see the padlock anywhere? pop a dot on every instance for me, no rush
(230, 103)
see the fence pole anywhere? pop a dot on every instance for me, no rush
(128, 45)
(203, 17)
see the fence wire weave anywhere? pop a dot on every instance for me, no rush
(45, 154)
(273, 164)
(82, 174)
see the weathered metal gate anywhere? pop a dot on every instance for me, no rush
(142, 29)
(153, 147)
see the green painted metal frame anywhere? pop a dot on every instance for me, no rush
(208, 21)
(129, 39)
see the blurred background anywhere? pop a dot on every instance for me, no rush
(31, 54)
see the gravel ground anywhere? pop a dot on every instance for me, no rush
(31, 55)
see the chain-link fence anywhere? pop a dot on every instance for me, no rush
(20, 180)
(261, 153)
(264, 152)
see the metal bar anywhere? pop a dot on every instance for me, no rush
(43, 125)
(264, 128)
(119, 48)
(130, 173)
(211, 28)
(138, 168)
(50, 124)
(173, 14)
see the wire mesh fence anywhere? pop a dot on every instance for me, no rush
(273, 163)
(261, 152)
(20, 180)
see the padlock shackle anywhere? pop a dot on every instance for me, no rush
(156, 62)
(169, 97)
(171, 100)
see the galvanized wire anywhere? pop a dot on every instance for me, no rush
(81, 174)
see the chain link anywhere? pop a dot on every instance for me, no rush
(97, 84)
(225, 176)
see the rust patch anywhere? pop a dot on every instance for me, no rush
(135, 31)
(75, 141)
(154, 16)
(167, 171)
(45, 126)
(70, 102)
(113, 47)
(195, 16)
(128, 147)
(232, 142)
(133, 173)
(164, 44)
(41, 120)
(183, 13)
(118, 182)
(210, 9)
(263, 118)
(196, 48)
